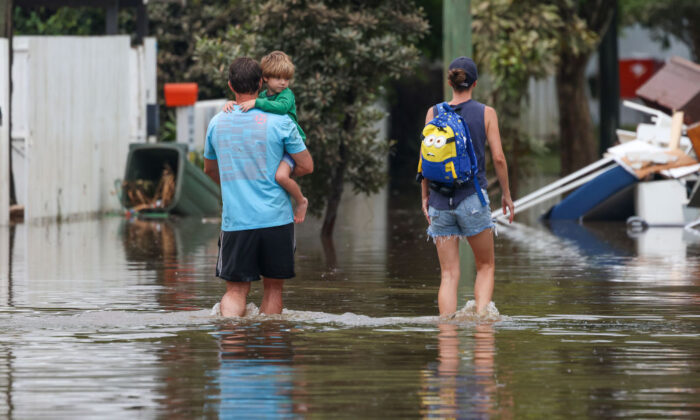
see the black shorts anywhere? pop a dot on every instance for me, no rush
(245, 255)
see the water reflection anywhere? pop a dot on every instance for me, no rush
(459, 386)
(256, 377)
(96, 323)
(173, 249)
(6, 241)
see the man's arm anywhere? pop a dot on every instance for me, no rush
(211, 168)
(304, 163)
(283, 103)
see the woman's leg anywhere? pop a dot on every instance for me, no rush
(448, 254)
(482, 246)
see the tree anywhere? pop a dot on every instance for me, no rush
(61, 21)
(667, 17)
(177, 27)
(585, 21)
(344, 52)
(515, 41)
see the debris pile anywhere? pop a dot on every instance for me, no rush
(145, 194)
(653, 174)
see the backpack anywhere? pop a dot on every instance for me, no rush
(446, 153)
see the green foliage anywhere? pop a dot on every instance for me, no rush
(515, 41)
(679, 18)
(168, 129)
(177, 28)
(62, 21)
(344, 53)
(518, 40)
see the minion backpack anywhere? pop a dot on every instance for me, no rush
(447, 156)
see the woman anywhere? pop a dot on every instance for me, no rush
(460, 213)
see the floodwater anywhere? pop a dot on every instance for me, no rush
(110, 318)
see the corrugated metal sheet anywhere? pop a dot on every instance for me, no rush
(540, 115)
(676, 87)
(78, 124)
(4, 134)
(20, 130)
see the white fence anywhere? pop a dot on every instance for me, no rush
(77, 103)
(540, 116)
(4, 134)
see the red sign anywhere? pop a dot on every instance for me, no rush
(634, 73)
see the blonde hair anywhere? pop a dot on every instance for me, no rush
(277, 64)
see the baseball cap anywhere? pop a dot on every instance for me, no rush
(466, 64)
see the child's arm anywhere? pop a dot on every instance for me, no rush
(282, 104)
(228, 107)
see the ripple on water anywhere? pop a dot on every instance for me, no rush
(465, 315)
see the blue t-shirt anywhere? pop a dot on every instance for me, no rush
(248, 147)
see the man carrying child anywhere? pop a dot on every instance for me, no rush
(242, 153)
(278, 70)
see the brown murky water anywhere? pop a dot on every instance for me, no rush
(110, 319)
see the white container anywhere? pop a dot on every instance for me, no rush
(660, 203)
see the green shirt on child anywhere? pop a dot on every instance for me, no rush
(281, 103)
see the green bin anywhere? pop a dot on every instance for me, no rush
(195, 193)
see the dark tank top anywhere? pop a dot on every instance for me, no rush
(473, 113)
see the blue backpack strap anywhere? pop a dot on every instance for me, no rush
(474, 164)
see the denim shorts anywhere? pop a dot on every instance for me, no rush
(287, 158)
(468, 219)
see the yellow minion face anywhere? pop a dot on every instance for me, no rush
(438, 143)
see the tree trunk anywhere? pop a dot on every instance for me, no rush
(331, 256)
(338, 180)
(336, 193)
(577, 137)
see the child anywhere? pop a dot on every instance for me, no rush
(278, 69)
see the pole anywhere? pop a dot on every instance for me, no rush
(456, 34)
(112, 18)
(609, 84)
(141, 23)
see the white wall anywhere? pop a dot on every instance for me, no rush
(142, 87)
(20, 130)
(4, 133)
(77, 104)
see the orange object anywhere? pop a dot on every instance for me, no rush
(694, 135)
(180, 94)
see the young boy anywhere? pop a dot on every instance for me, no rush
(278, 70)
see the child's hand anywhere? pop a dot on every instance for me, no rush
(247, 105)
(229, 106)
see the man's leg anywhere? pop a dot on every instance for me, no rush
(448, 254)
(234, 300)
(272, 296)
(482, 246)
